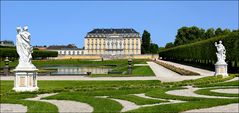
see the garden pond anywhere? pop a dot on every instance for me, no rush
(66, 70)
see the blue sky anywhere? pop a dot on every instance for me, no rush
(64, 22)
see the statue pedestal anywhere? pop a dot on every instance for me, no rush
(25, 80)
(221, 69)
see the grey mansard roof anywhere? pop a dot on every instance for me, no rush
(111, 31)
(101, 33)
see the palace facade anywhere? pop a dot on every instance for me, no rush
(112, 42)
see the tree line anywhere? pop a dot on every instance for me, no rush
(147, 47)
(186, 35)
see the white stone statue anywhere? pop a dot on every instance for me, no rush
(24, 49)
(25, 72)
(221, 53)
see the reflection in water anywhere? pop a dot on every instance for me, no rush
(80, 70)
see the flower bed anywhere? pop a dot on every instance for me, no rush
(178, 70)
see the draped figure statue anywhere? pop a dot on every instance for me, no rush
(24, 49)
(221, 52)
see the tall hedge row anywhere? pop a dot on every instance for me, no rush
(10, 52)
(205, 50)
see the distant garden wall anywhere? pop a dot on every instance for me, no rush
(203, 52)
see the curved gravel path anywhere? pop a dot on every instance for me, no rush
(190, 93)
(10, 108)
(230, 108)
(144, 96)
(65, 105)
(171, 101)
(128, 105)
(229, 91)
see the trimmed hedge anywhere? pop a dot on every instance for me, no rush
(204, 51)
(12, 53)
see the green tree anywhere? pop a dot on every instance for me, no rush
(181, 36)
(194, 34)
(201, 34)
(145, 47)
(226, 31)
(154, 48)
(188, 35)
(209, 33)
(169, 45)
(161, 49)
(218, 32)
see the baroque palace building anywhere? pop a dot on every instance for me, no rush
(112, 42)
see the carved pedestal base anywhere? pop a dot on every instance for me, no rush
(221, 69)
(25, 80)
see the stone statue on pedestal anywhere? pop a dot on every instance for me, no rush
(24, 49)
(25, 72)
(221, 65)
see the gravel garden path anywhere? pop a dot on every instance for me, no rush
(128, 105)
(144, 96)
(230, 108)
(10, 108)
(166, 75)
(229, 91)
(189, 92)
(220, 109)
(65, 105)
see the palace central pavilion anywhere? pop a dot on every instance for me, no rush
(112, 42)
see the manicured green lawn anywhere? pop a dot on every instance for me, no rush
(83, 91)
(179, 107)
(138, 100)
(232, 83)
(102, 105)
(60, 86)
(34, 106)
(142, 71)
(136, 71)
(88, 92)
(201, 81)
